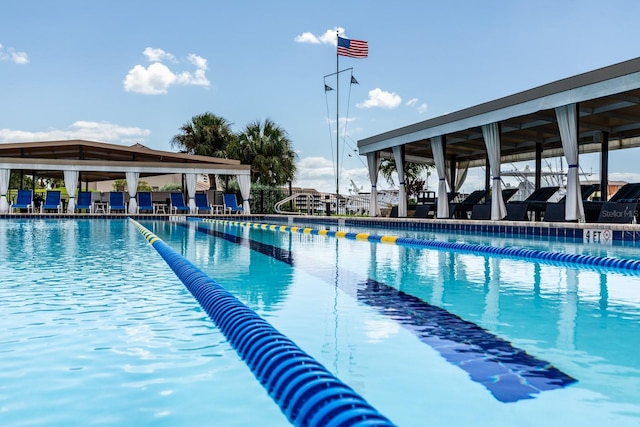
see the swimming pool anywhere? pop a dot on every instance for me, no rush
(100, 331)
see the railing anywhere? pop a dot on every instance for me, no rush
(323, 204)
(308, 199)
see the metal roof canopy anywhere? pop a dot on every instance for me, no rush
(98, 161)
(608, 99)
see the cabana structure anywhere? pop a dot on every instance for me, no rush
(78, 161)
(594, 112)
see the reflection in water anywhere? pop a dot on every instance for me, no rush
(262, 294)
(604, 295)
(492, 298)
(568, 312)
(437, 293)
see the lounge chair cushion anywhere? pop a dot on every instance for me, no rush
(618, 212)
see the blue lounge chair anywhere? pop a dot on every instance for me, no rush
(116, 202)
(555, 212)
(427, 210)
(24, 200)
(144, 201)
(483, 210)
(52, 202)
(623, 198)
(536, 202)
(231, 203)
(461, 209)
(84, 202)
(177, 204)
(202, 204)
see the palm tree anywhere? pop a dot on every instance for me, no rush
(206, 135)
(267, 148)
(414, 184)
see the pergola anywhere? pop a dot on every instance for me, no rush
(88, 161)
(597, 111)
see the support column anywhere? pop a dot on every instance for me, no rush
(487, 174)
(538, 180)
(399, 157)
(453, 171)
(604, 167)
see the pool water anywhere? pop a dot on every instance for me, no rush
(98, 331)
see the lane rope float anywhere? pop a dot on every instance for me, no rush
(306, 392)
(629, 265)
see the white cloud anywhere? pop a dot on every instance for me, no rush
(345, 123)
(157, 77)
(93, 131)
(328, 37)
(624, 176)
(315, 172)
(331, 36)
(413, 102)
(382, 99)
(319, 173)
(10, 54)
(307, 37)
(157, 55)
(154, 80)
(198, 61)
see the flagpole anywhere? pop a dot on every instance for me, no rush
(337, 89)
(337, 126)
(354, 49)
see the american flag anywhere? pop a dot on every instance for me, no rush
(353, 48)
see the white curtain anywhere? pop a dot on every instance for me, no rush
(132, 186)
(567, 123)
(71, 184)
(438, 158)
(244, 182)
(491, 136)
(461, 175)
(373, 161)
(5, 176)
(402, 193)
(191, 179)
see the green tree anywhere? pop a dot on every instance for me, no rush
(144, 186)
(171, 187)
(267, 148)
(119, 184)
(205, 135)
(413, 181)
(14, 181)
(264, 198)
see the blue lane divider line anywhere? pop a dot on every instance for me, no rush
(509, 373)
(311, 386)
(589, 261)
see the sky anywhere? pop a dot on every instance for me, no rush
(127, 72)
